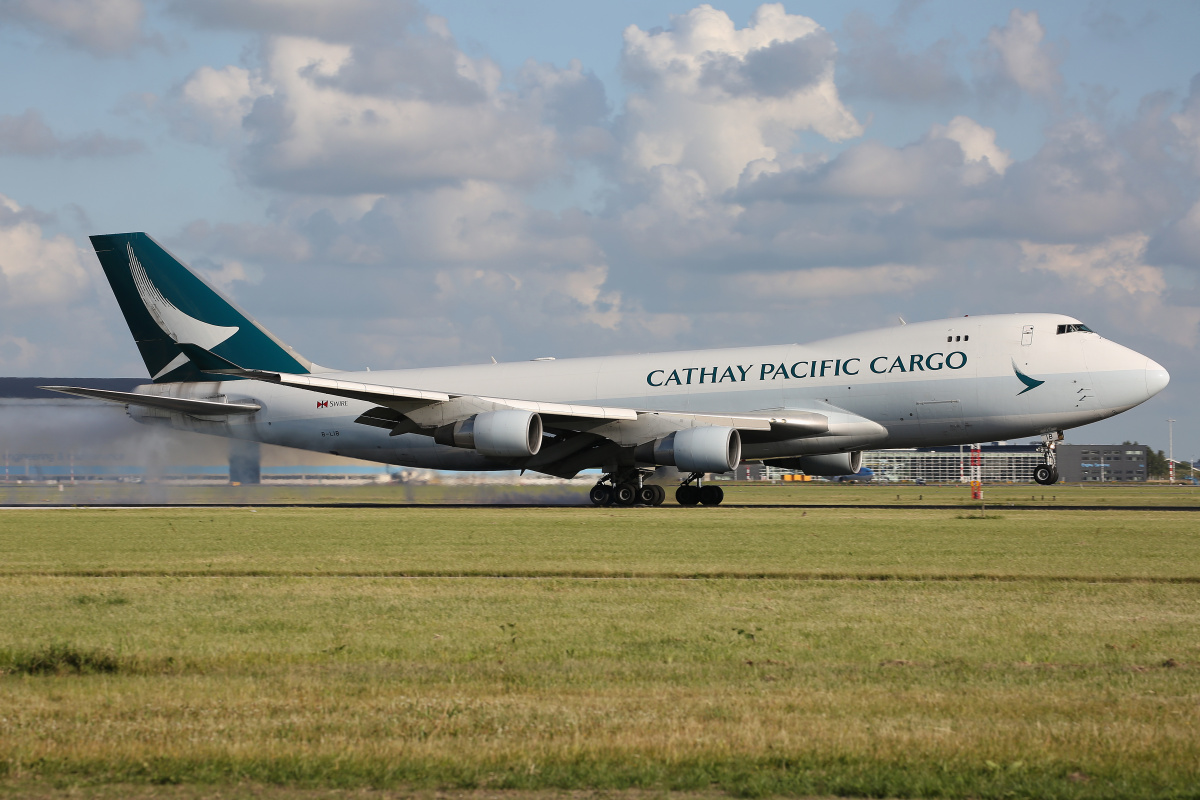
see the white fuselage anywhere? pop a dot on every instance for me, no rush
(943, 382)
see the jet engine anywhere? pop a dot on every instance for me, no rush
(710, 448)
(506, 434)
(825, 465)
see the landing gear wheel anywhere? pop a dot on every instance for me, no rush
(687, 495)
(711, 495)
(660, 495)
(626, 494)
(647, 495)
(1045, 474)
(600, 495)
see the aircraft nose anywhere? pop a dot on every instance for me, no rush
(1157, 378)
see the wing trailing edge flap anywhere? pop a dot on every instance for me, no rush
(183, 405)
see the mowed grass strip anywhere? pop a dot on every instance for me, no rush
(988, 688)
(756, 687)
(816, 492)
(591, 542)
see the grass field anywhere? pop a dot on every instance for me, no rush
(821, 492)
(893, 652)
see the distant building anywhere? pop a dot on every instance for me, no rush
(1000, 463)
(1102, 462)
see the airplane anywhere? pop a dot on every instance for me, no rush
(814, 407)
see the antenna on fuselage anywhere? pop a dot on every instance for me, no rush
(902, 322)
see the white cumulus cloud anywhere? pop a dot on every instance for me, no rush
(1115, 271)
(712, 98)
(1021, 56)
(103, 27)
(214, 102)
(977, 142)
(50, 317)
(36, 270)
(333, 118)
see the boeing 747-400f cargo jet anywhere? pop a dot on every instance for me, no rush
(813, 407)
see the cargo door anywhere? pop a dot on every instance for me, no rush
(941, 421)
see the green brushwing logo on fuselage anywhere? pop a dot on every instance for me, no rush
(1030, 383)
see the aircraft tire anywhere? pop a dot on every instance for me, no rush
(711, 495)
(687, 495)
(1045, 474)
(646, 495)
(625, 494)
(600, 495)
(660, 495)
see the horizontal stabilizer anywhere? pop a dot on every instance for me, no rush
(183, 405)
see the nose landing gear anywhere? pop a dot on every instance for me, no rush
(1046, 473)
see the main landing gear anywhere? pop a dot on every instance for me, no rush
(629, 489)
(689, 494)
(1046, 473)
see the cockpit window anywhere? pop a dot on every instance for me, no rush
(1075, 328)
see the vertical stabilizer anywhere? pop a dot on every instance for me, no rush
(165, 305)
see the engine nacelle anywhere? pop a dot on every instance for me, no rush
(505, 434)
(829, 465)
(709, 448)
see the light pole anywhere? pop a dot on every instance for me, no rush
(1170, 451)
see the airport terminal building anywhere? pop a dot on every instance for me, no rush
(1000, 462)
(1103, 462)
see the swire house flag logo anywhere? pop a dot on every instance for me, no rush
(1030, 383)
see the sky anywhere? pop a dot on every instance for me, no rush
(386, 183)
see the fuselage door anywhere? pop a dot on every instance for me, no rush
(941, 421)
(1027, 336)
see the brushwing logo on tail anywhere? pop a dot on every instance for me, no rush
(182, 328)
(1030, 383)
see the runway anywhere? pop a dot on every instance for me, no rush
(799, 507)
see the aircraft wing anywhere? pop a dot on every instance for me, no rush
(183, 405)
(406, 410)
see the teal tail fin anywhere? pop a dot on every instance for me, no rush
(166, 305)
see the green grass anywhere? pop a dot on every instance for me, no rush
(1058, 657)
(109, 492)
(592, 542)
